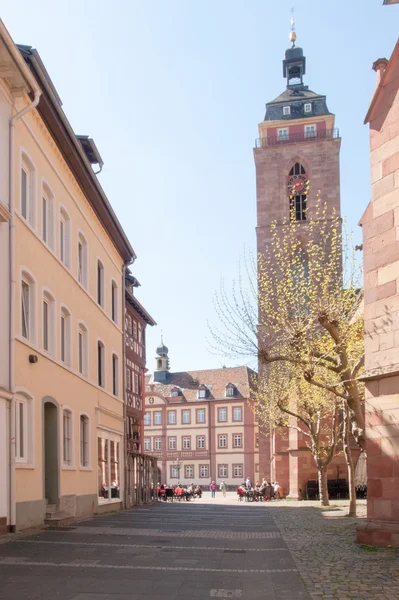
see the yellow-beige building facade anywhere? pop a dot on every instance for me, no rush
(200, 426)
(62, 260)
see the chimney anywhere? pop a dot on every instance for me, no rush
(379, 66)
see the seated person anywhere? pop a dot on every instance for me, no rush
(198, 491)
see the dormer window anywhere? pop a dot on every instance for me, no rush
(202, 392)
(230, 390)
(286, 110)
(308, 107)
(175, 392)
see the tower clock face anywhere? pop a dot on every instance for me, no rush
(297, 184)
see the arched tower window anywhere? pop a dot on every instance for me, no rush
(297, 190)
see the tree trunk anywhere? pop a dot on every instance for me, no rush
(323, 489)
(349, 461)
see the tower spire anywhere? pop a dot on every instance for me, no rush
(292, 32)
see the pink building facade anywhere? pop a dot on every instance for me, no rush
(380, 224)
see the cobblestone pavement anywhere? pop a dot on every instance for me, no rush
(167, 551)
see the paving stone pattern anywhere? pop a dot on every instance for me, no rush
(169, 551)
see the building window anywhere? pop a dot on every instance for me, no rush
(115, 373)
(65, 336)
(189, 471)
(147, 444)
(65, 237)
(83, 350)
(222, 415)
(174, 472)
(204, 471)
(286, 110)
(48, 315)
(282, 134)
(67, 437)
(84, 441)
(172, 443)
(202, 392)
(223, 471)
(308, 107)
(48, 216)
(200, 415)
(100, 284)
(28, 309)
(147, 419)
(310, 131)
(21, 430)
(186, 443)
(237, 471)
(114, 302)
(82, 260)
(157, 443)
(108, 470)
(28, 184)
(297, 190)
(186, 416)
(172, 417)
(200, 442)
(157, 418)
(222, 441)
(237, 413)
(100, 364)
(175, 392)
(237, 440)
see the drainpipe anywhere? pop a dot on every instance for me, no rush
(20, 63)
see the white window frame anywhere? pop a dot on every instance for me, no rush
(82, 260)
(172, 418)
(30, 207)
(235, 472)
(100, 284)
(84, 441)
(237, 440)
(202, 393)
(200, 411)
(283, 133)
(310, 130)
(155, 419)
(100, 363)
(115, 374)
(83, 352)
(186, 417)
(307, 107)
(31, 323)
(187, 474)
(186, 442)
(204, 471)
(49, 300)
(223, 471)
(174, 472)
(237, 408)
(172, 443)
(286, 110)
(147, 419)
(147, 444)
(67, 442)
(21, 430)
(47, 212)
(114, 301)
(65, 336)
(201, 442)
(157, 444)
(222, 436)
(222, 410)
(64, 230)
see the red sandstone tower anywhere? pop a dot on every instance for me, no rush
(297, 143)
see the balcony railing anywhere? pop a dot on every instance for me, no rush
(328, 134)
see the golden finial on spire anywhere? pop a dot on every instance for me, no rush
(292, 32)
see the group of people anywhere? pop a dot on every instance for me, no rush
(260, 491)
(179, 492)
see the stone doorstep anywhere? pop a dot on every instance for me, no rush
(59, 519)
(378, 533)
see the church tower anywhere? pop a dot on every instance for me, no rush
(161, 363)
(297, 161)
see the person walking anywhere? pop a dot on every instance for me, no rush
(212, 487)
(223, 488)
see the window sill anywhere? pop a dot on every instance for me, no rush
(69, 468)
(27, 466)
(85, 468)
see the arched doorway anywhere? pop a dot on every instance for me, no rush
(50, 450)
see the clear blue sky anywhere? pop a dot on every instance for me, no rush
(172, 92)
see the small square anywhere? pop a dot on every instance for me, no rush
(225, 593)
